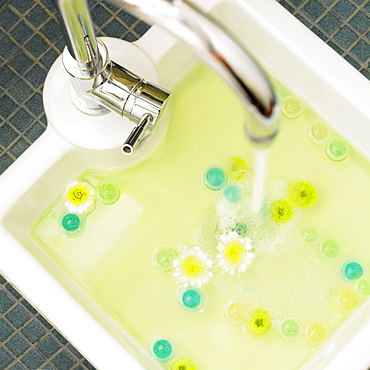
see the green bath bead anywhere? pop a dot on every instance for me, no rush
(215, 178)
(233, 193)
(337, 150)
(353, 270)
(108, 193)
(162, 349)
(289, 328)
(71, 222)
(363, 287)
(191, 298)
(330, 248)
(309, 234)
(163, 258)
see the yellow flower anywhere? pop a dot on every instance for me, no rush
(281, 211)
(238, 168)
(302, 194)
(80, 197)
(192, 267)
(182, 363)
(259, 323)
(235, 253)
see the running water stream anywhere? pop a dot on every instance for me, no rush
(260, 166)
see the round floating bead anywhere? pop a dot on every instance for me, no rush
(330, 248)
(319, 132)
(233, 193)
(163, 258)
(363, 287)
(337, 150)
(348, 300)
(215, 178)
(182, 363)
(353, 270)
(71, 222)
(291, 107)
(162, 349)
(309, 234)
(191, 298)
(109, 193)
(289, 328)
(235, 312)
(259, 323)
(316, 333)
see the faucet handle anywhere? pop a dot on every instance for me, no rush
(137, 134)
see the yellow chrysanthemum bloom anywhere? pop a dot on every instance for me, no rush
(281, 211)
(302, 194)
(259, 323)
(182, 363)
(238, 168)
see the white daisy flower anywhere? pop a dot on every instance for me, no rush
(235, 253)
(80, 197)
(192, 267)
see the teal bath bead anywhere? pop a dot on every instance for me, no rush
(353, 270)
(233, 193)
(71, 222)
(162, 349)
(191, 298)
(215, 178)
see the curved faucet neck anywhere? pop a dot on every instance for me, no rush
(207, 39)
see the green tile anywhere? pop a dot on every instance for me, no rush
(63, 361)
(361, 51)
(37, 46)
(48, 346)
(37, 16)
(5, 162)
(21, 5)
(33, 331)
(360, 22)
(329, 23)
(313, 9)
(7, 77)
(20, 62)
(18, 316)
(115, 29)
(51, 31)
(33, 360)
(21, 120)
(35, 104)
(34, 132)
(20, 91)
(7, 135)
(346, 37)
(6, 358)
(7, 47)
(21, 33)
(344, 9)
(19, 147)
(8, 19)
(36, 76)
(17, 345)
(5, 329)
(100, 15)
(7, 106)
(6, 301)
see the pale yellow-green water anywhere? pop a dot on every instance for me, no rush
(164, 203)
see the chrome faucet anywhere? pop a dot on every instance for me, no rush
(101, 85)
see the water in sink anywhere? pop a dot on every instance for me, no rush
(300, 266)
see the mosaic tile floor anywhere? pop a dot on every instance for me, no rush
(30, 41)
